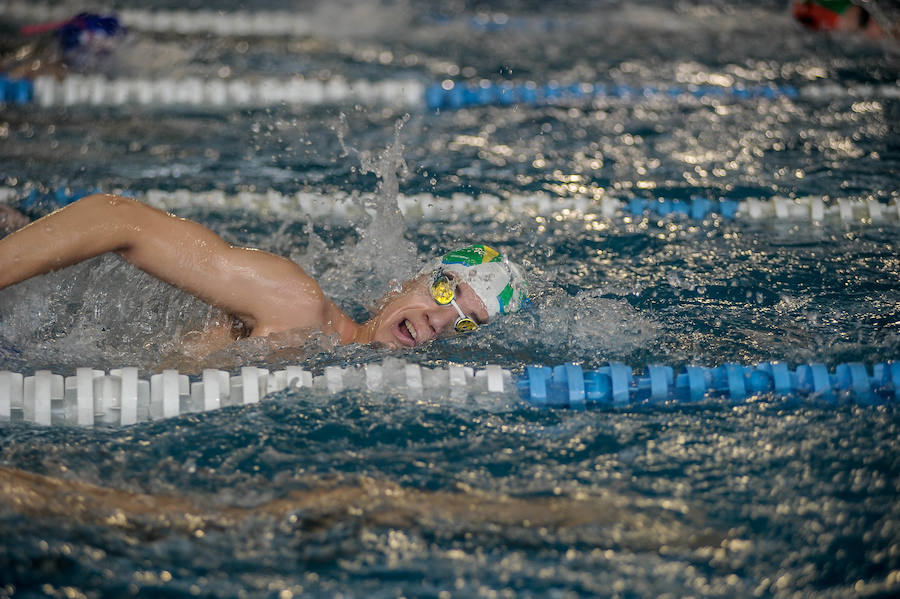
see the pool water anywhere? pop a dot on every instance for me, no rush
(383, 494)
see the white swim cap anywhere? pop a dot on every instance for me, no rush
(497, 282)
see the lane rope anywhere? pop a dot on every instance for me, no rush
(97, 90)
(342, 207)
(122, 397)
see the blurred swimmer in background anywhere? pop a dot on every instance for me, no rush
(86, 43)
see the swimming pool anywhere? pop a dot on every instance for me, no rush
(390, 493)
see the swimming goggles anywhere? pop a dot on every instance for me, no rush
(443, 294)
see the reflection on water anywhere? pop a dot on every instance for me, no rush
(582, 520)
(329, 493)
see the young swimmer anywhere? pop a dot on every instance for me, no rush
(266, 293)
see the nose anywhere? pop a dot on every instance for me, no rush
(440, 318)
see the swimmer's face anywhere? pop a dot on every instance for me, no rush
(412, 317)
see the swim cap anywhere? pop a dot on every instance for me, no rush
(497, 282)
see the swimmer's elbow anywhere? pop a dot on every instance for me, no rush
(135, 229)
(121, 216)
(105, 204)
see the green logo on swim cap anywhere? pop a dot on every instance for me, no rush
(504, 297)
(472, 255)
(513, 297)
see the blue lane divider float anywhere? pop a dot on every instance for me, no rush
(121, 396)
(15, 91)
(616, 385)
(696, 207)
(452, 95)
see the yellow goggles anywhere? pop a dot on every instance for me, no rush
(443, 294)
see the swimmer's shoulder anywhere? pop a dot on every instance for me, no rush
(301, 305)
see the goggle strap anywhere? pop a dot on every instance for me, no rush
(458, 309)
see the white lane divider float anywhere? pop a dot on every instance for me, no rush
(96, 90)
(121, 397)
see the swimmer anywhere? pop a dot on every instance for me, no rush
(85, 43)
(836, 15)
(266, 293)
(88, 44)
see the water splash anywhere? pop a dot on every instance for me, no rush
(103, 313)
(382, 257)
(585, 326)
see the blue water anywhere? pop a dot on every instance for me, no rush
(385, 495)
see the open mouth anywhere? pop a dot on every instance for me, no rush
(405, 331)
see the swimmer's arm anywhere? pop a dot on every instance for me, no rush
(268, 292)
